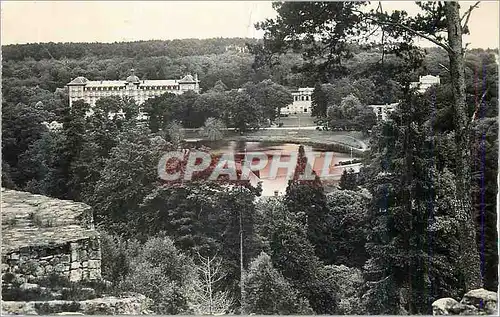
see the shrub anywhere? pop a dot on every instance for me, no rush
(267, 292)
(349, 281)
(116, 256)
(163, 274)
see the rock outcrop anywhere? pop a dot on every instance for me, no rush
(42, 236)
(475, 302)
(134, 304)
(52, 241)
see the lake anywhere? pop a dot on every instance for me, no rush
(279, 183)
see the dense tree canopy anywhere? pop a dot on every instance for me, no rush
(386, 243)
(269, 293)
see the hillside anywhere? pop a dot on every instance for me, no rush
(32, 72)
(171, 48)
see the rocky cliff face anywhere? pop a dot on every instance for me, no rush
(475, 302)
(42, 236)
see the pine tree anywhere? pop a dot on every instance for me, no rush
(348, 180)
(412, 238)
(347, 220)
(293, 255)
(307, 201)
(74, 131)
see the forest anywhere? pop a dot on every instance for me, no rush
(349, 251)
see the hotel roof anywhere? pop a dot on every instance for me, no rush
(188, 79)
(82, 81)
(78, 81)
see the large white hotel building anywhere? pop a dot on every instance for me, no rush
(90, 91)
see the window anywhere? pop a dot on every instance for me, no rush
(305, 109)
(302, 98)
(307, 98)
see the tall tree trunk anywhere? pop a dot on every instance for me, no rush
(408, 197)
(242, 272)
(469, 257)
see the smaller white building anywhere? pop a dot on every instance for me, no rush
(236, 48)
(382, 111)
(424, 82)
(302, 102)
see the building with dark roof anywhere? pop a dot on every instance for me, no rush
(133, 87)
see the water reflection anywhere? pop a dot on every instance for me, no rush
(270, 184)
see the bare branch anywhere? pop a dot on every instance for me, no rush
(218, 278)
(208, 300)
(410, 30)
(468, 13)
(418, 34)
(445, 68)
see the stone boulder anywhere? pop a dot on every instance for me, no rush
(443, 306)
(484, 300)
(135, 305)
(475, 302)
(18, 308)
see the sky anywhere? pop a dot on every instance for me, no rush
(110, 21)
